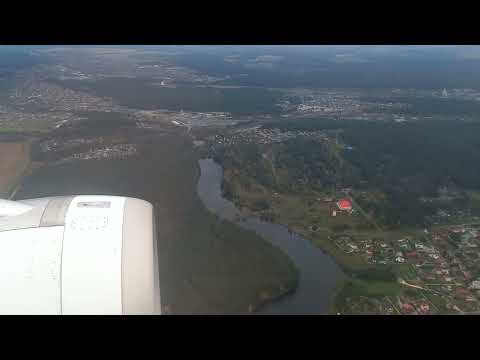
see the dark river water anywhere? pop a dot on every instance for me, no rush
(318, 273)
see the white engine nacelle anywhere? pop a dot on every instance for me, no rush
(78, 255)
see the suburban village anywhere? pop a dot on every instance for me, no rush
(259, 135)
(441, 264)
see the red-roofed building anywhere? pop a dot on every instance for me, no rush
(424, 308)
(344, 204)
(408, 308)
(412, 254)
(461, 293)
(467, 274)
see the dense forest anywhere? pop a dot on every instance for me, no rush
(406, 162)
(424, 154)
(311, 164)
(248, 158)
(301, 164)
(414, 160)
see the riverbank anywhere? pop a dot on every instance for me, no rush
(309, 214)
(318, 273)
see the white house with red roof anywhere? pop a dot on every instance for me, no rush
(344, 204)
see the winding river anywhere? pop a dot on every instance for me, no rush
(318, 273)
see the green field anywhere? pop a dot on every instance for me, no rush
(302, 211)
(207, 266)
(372, 289)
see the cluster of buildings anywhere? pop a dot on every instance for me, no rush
(68, 74)
(391, 305)
(170, 74)
(380, 105)
(315, 108)
(189, 119)
(442, 215)
(379, 251)
(47, 96)
(327, 102)
(463, 94)
(259, 135)
(442, 263)
(11, 117)
(117, 152)
(347, 103)
(56, 145)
